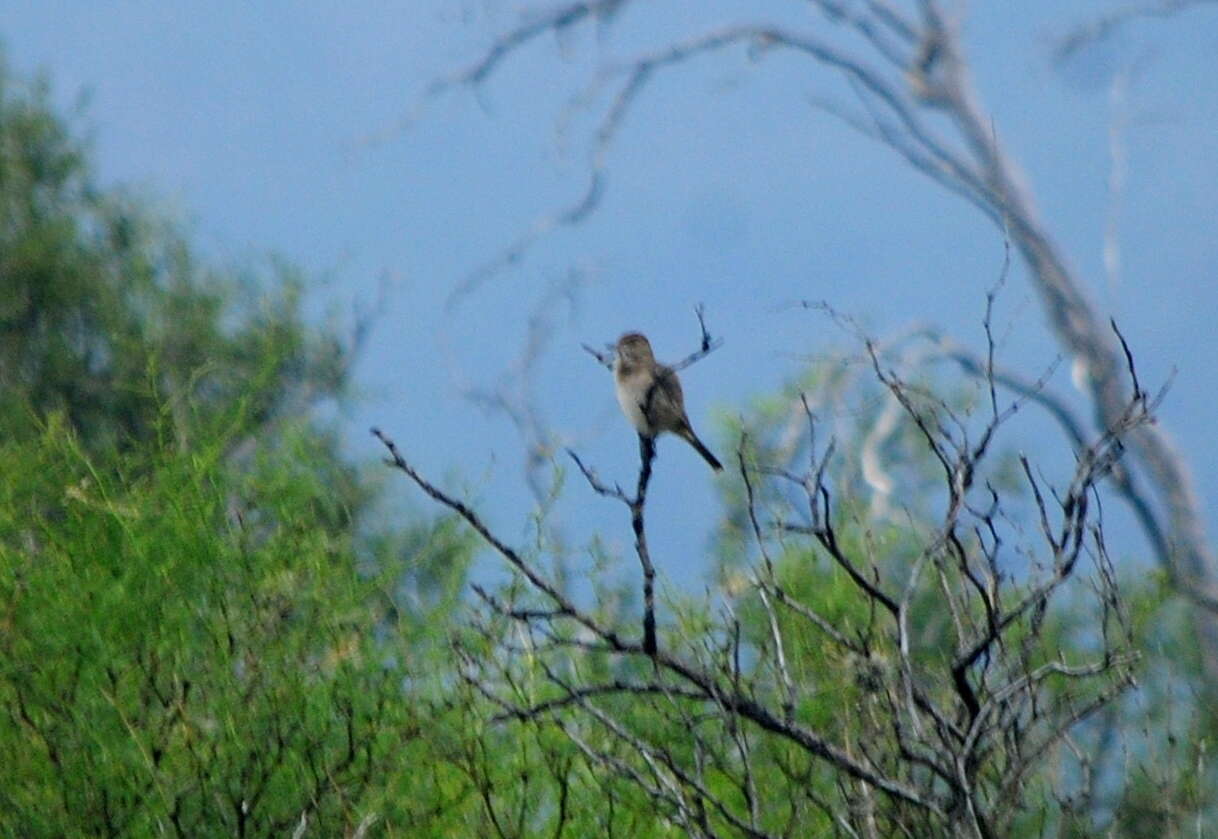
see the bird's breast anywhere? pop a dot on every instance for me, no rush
(631, 392)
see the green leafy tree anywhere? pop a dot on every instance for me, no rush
(203, 630)
(108, 317)
(173, 664)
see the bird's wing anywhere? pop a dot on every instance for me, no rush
(669, 390)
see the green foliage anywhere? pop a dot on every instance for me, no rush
(107, 316)
(200, 632)
(173, 660)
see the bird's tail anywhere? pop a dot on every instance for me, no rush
(688, 434)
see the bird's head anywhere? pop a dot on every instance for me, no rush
(634, 348)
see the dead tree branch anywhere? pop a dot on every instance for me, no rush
(945, 728)
(911, 73)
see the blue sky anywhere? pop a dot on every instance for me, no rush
(278, 127)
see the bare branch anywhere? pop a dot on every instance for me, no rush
(1105, 25)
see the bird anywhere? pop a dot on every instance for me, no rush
(650, 395)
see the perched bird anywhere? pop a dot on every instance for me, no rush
(650, 394)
